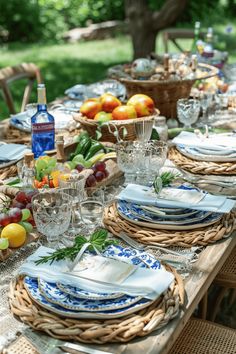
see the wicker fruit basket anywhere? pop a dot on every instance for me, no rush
(164, 93)
(113, 126)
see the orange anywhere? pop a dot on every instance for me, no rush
(15, 234)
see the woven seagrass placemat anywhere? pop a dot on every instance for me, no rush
(138, 324)
(202, 236)
(201, 167)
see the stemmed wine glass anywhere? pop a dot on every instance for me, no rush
(52, 214)
(74, 186)
(188, 111)
(127, 159)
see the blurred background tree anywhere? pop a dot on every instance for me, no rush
(47, 20)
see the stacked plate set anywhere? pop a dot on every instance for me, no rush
(207, 161)
(175, 208)
(64, 293)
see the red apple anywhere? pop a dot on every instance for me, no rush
(109, 102)
(90, 108)
(124, 112)
(143, 104)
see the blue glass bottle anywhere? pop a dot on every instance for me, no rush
(42, 126)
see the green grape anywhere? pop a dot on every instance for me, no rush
(27, 226)
(4, 243)
(52, 163)
(25, 214)
(40, 165)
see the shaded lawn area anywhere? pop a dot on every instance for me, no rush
(65, 65)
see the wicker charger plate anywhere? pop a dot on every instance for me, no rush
(202, 236)
(138, 324)
(201, 167)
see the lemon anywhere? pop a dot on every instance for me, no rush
(15, 234)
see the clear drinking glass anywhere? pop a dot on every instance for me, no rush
(188, 111)
(206, 99)
(143, 129)
(128, 158)
(75, 188)
(91, 208)
(52, 214)
(157, 158)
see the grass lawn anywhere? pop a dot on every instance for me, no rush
(64, 65)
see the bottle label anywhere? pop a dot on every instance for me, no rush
(42, 127)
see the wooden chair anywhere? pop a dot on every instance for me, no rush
(226, 281)
(173, 34)
(204, 337)
(9, 74)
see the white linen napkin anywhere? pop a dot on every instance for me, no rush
(146, 196)
(11, 152)
(214, 142)
(143, 282)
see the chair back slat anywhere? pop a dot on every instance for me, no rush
(9, 74)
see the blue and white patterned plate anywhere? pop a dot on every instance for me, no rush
(54, 295)
(53, 298)
(125, 211)
(128, 255)
(84, 294)
(136, 211)
(31, 285)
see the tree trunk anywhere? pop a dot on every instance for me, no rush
(145, 24)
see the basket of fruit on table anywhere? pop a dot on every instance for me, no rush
(164, 82)
(113, 119)
(86, 156)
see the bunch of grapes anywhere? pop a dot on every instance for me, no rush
(99, 173)
(20, 211)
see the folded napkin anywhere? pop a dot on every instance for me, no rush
(215, 142)
(192, 199)
(143, 282)
(12, 152)
(22, 121)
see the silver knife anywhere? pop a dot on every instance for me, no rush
(48, 345)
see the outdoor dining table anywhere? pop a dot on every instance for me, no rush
(201, 276)
(203, 273)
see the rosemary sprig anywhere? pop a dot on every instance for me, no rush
(168, 177)
(164, 180)
(98, 240)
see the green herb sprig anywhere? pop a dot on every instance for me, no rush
(98, 240)
(164, 180)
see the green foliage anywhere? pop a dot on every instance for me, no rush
(205, 11)
(33, 20)
(20, 19)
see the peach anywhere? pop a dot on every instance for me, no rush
(143, 104)
(109, 102)
(103, 117)
(90, 108)
(124, 112)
